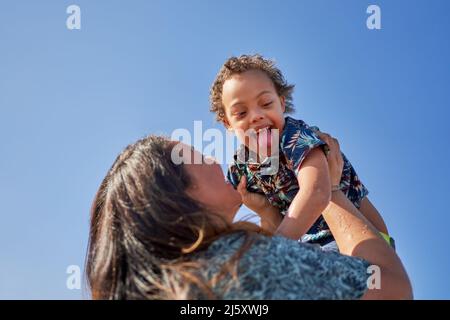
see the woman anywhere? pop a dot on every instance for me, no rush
(161, 230)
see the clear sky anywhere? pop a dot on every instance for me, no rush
(71, 100)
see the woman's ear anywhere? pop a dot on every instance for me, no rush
(283, 103)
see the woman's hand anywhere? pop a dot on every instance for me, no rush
(334, 157)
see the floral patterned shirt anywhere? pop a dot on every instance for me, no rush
(280, 188)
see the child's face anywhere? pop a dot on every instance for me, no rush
(252, 102)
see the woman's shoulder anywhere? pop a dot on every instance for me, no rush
(229, 244)
(281, 268)
(264, 249)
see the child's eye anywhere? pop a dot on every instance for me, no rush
(240, 114)
(267, 104)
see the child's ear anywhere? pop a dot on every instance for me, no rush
(283, 103)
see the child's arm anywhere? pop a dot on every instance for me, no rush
(372, 214)
(312, 198)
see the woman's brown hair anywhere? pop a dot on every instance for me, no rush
(145, 230)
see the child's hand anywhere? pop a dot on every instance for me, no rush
(254, 201)
(269, 215)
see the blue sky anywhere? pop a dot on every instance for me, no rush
(70, 100)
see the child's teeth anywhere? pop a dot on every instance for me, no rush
(263, 129)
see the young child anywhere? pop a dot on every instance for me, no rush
(250, 94)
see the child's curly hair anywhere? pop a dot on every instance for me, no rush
(241, 64)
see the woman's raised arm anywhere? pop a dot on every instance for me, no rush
(356, 236)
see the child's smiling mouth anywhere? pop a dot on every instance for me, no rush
(264, 138)
(263, 128)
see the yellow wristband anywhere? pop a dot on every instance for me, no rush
(388, 239)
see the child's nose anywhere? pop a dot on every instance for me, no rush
(256, 115)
